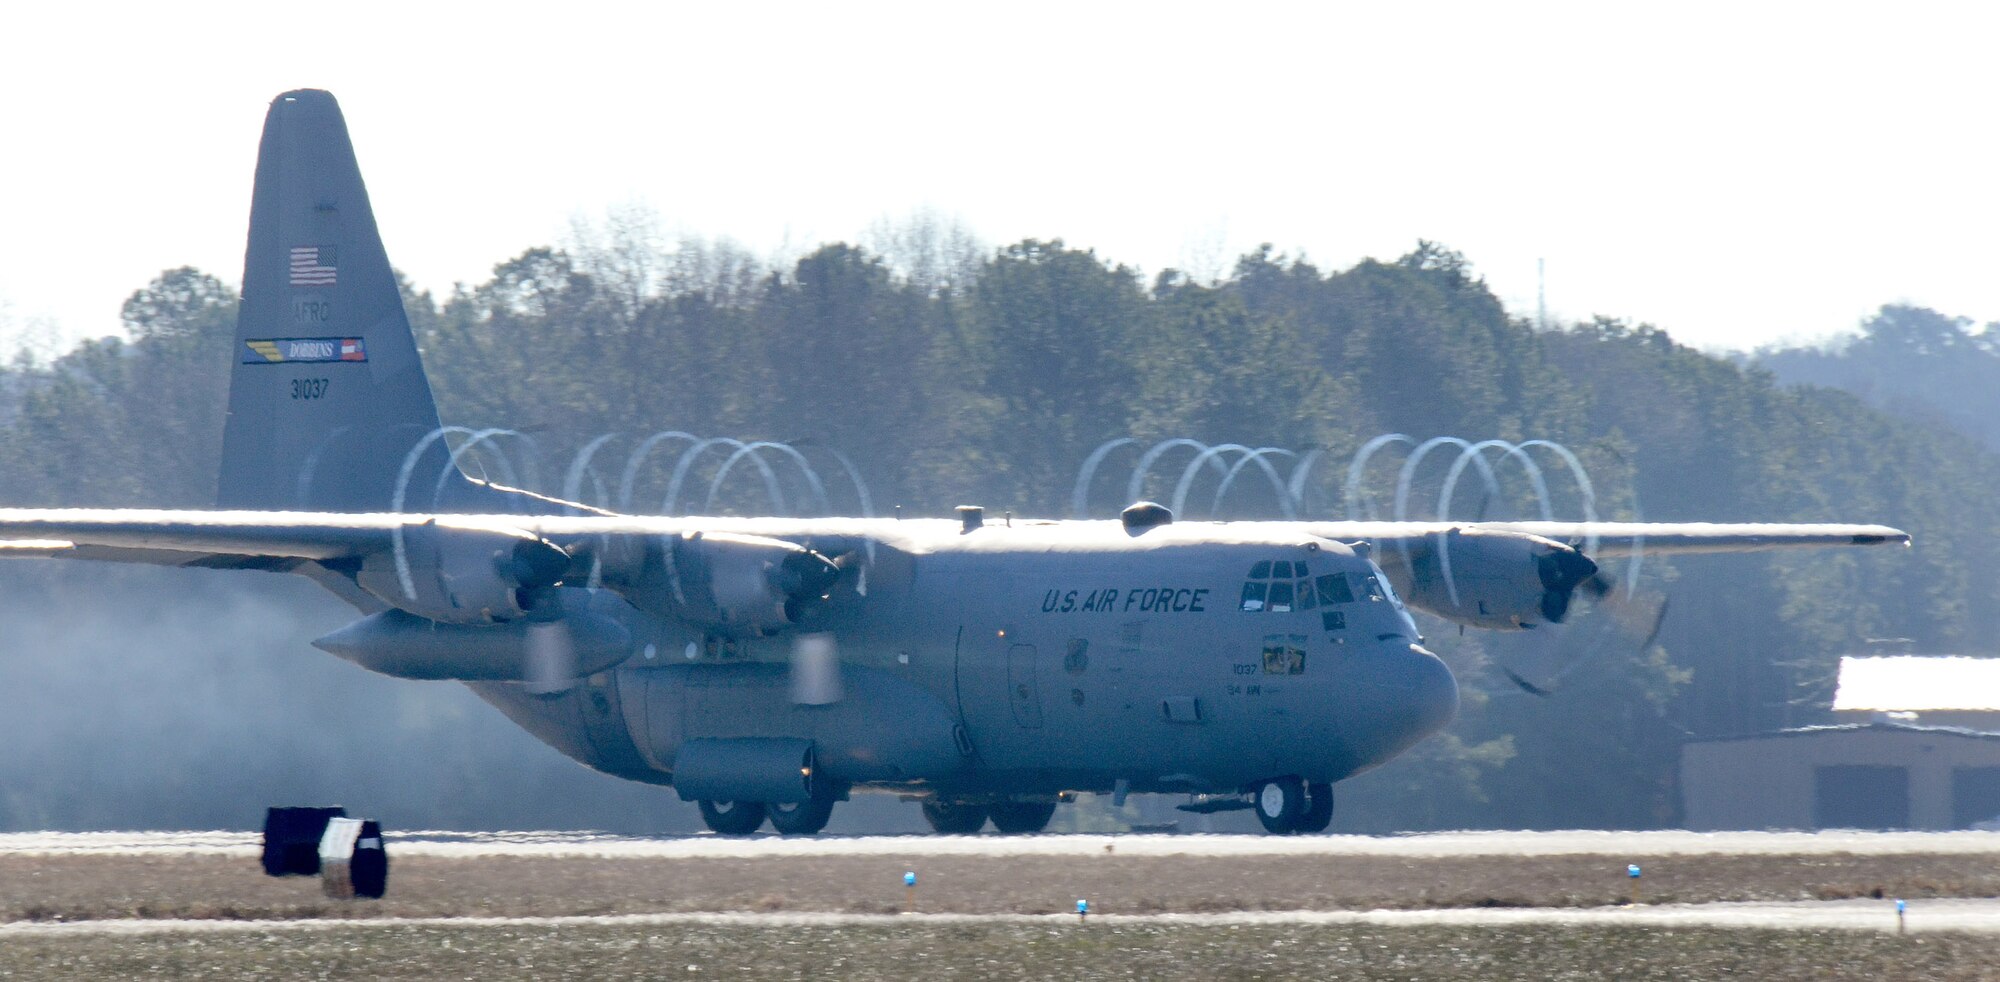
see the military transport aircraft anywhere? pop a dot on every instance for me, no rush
(767, 667)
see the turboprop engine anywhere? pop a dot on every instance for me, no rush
(1491, 578)
(572, 633)
(457, 575)
(738, 586)
(481, 604)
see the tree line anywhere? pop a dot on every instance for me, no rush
(949, 375)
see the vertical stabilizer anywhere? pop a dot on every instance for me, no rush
(329, 409)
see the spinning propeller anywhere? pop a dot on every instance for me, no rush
(1636, 617)
(816, 669)
(549, 662)
(815, 658)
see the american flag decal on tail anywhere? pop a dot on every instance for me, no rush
(313, 265)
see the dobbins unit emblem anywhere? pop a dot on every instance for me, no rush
(272, 351)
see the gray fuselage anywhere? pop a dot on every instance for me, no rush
(1039, 658)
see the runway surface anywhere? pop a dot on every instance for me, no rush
(1966, 916)
(1427, 846)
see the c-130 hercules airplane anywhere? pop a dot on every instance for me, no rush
(768, 667)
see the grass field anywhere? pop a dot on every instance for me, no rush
(104, 888)
(72, 888)
(993, 952)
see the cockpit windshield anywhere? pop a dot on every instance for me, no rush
(1283, 586)
(1279, 586)
(1376, 587)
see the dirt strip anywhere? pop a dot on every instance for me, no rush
(51, 888)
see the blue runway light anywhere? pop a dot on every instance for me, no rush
(910, 879)
(1632, 871)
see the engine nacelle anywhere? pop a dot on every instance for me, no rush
(743, 586)
(583, 633)
(462, 575)
(1490, 578)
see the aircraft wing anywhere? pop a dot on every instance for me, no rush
(179, 536)
(1510, 575)
(130, 534)
(1487, 574)
(1614, 539)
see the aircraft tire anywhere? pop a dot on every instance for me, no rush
(1318, 813)
(1280, 801)
(1021, 817)
(732, 817)
(954, 817)
(801, 817)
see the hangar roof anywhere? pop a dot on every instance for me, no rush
(1889, 726)
(1918, 683)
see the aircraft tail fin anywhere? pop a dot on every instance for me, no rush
(329, 407)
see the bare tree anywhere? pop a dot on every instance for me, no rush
(928, 249)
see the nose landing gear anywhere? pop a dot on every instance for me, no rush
(1288, 806)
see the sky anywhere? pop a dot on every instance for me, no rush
(1735, 174)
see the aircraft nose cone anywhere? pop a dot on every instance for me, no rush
(1407, 694)
(1434, 692)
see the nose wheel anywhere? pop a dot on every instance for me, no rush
(1287, 806)
(1319, 809)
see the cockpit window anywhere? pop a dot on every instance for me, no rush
(1378, 589)
(1253, 595)
(1280, 586)
(1281, 596)
(1333, 589)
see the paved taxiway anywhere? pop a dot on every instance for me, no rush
(1463, 854)
(1419, 846)
(1980, 916)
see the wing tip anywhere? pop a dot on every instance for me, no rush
(34, 546)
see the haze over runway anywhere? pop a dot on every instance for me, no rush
(1733, 175)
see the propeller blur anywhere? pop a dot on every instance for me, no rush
(990, 669)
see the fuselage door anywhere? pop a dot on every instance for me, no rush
(1022, 692)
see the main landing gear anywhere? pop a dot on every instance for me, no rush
(954, 817)
(801, 817)
(967, 818)
(1288, 806)
(1021, 817)
(732, 817)
(788, 817)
